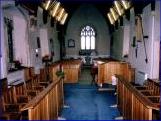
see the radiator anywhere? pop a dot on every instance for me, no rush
(140, 77)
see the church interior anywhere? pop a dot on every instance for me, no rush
(80, 60)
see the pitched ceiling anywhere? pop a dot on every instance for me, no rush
(71, 5)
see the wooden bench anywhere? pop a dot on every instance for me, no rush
(47, 104)
(72, 70)
(107, 69)
(11, 105)
(150, 88)
(133, 104)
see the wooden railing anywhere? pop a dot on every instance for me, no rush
(47, 104)
(133, 104)
(107, 69)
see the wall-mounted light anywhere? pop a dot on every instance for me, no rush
(111, 19)
(37, 52)
(125, 4)
(59, 16)
(55, 8)
(114, 14)
(119, 8)
(64, 19)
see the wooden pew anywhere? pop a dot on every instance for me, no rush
(43, 77)
(150, 88)
(107, 69)
(133, 104)
(29, 72)
(53, 69)
(46, 105)
(10, 105)
(72, 70)
(3, 85)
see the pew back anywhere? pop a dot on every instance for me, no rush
(107, 70)
(132, 103)
(72, 70)
(46, 105)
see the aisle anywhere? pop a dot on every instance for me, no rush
(87, 103)
(85, 77)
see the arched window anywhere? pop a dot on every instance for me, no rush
(87, 38)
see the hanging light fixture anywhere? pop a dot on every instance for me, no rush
(111, 19)
(61, 11)
(119, 8)
(125, 4)
(55, 8)
(64, 19)
(114, 14)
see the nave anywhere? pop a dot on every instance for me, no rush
(85, 102)
(75, 59)
(53, 95)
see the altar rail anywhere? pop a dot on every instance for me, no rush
(134, 105)
(47, 104)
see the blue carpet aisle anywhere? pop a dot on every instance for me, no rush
(87, 103)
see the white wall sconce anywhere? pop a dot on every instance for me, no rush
(37, 51)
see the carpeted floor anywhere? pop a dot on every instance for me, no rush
(85, 77)
(87, 103)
